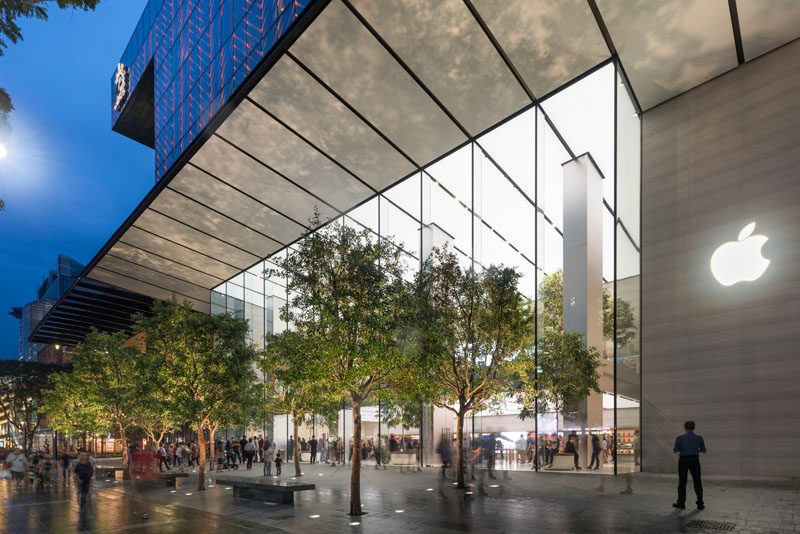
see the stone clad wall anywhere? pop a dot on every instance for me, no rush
(714, 159)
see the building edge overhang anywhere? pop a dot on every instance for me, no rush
(296, 29)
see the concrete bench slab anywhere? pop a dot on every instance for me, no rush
(564, 461)
(171, 478)
(106, 472)
(267, 490)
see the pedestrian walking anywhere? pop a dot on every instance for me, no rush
(688, 446)
(162, 458)
(17, 463)
(269, 456)
(66, 460)
(596, 450)
(278, 463)
(84, 471)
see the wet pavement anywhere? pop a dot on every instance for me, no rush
(410, 502)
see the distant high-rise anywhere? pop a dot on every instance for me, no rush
(54, 285)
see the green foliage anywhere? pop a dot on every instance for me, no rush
(107, 377)
(201, 364)
(348, 298)
(347, 295)
(11, 10)
(551, 299)
(292, 382)
(69, 412)
(22, 388)
(292, 376)
(471, 328)
(568, 372)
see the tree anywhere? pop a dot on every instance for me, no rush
(108, 374)
(69, 411)
(155, 418)
(347, 294)
(292, 383)
(472, 327)
(22, 387)
(202, 364)
(568, 372)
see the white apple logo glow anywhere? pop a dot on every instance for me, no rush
(740, 261)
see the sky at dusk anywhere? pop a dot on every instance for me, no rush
(68, 181)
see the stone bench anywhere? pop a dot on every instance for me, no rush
(563, 461)
(270, 490)
(170, 479)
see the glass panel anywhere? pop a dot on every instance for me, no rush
(187, 236)
(196, 215)
(403, 229)
(258, 134)
(512, 148)
(459, 64)
(294, 97)
(147, 241)
(584, 115)
(545, 58)
(198, 185)
(628, 285)
(406, 195)
(663, 60)
(253, 178)
(342, 52)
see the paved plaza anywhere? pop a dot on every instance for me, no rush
(423, 502)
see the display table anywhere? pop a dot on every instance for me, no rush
(403, 458)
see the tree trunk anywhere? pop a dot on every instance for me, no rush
(355, 472)
(126, 472)
(201, 457)
(461, 463)
(296, 445)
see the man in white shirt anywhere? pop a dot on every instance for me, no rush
(18, 464)
(522, 444)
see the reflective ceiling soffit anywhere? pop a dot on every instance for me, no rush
(372, 90)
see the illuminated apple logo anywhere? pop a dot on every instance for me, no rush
(740, 261)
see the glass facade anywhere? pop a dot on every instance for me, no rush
(499, 199)
(201, 50)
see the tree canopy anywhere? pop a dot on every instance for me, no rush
(348, 296)
(471, 326)
(203, 365)
(22, 390)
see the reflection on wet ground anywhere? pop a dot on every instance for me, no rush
(405, 502)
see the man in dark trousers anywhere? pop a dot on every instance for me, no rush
(689, 446)
(312, 443)
(84, 470)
